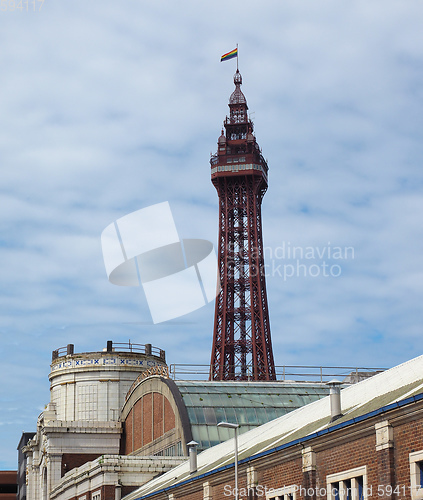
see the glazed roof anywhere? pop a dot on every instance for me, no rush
(396, 387)
(248, 404)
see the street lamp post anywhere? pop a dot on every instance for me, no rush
(235, 427)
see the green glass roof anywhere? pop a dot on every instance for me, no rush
(248, 404)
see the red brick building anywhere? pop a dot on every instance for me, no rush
(8, 484)
(374, 449)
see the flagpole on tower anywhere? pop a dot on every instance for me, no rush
(231, 55)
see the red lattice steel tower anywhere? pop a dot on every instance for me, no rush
(242, 346)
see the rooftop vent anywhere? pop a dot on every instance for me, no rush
(192, 456)
(335, 399)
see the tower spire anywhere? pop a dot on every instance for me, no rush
(242, 347)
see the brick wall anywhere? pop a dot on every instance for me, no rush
(158, 416)
(196, 496)
(169, 416)
(147, 418)
(137, 429)
(386, 461)
(108, 493)
(127, 489)
(72, 460)
(8, 485)
(220, 492)
(408, 439)
(128, 434)
(284, 474)
(356, 453)
(150, 418)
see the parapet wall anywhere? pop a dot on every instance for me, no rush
(112, 472)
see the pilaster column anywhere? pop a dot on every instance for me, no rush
(54, 470)
(252, 482)
(385, 457)
(207, 491)
(30, 478)
(309, 472)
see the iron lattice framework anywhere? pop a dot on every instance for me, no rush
(242, 347)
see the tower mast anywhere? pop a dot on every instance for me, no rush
(242, 346)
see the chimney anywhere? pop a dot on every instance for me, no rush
(335, 399)
(192, 456)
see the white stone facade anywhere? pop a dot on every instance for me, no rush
(82, 418)
(93, 386)
(111, 470)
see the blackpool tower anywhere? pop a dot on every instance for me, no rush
(242, 346)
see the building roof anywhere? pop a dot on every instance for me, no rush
(25, 437)
(400, 385)
(248, 404)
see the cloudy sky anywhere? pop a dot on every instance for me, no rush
(109, 107)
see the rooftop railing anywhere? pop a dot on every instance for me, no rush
(146, 349)
(297, 373)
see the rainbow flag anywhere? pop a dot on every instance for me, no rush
(229, 55)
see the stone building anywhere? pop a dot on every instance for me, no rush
(22, 465)
(82, 420)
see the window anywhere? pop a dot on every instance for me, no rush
(170, 451)
(96, 495)
(348, 485)
(179, 449)
(285, 493)
(416, 474)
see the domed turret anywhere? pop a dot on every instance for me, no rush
(237, 97)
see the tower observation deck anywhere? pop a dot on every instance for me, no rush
(242, 347)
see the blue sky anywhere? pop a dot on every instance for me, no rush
(110, 107)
